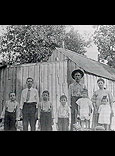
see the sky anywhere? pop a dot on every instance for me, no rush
(88, 30)
(85, 30)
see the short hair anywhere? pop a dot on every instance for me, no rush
(29, 78)
(101, 80)
(84, 90)
(63, 96)
(11, 93)
(46, 91)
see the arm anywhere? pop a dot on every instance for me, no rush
(37, 98)
(39, 110)
(52, 111)
(21, 101)
(69, 112)
(110, 99)
(3, 113)
(69, 95)
(18, 112)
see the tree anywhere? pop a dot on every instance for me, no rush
(30, 43)
(104, 38)
(75, 42)
(35, 43)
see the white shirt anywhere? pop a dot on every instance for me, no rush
(33, 97)
(10, 106)
(85, 104)
(64, 112)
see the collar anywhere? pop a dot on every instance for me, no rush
(76, 83)
(12, 101)
(30, 88)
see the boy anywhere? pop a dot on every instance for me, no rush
(85, 109)
(63, 115)
(11, 113)
(45, 113)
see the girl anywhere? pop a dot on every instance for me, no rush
(45, 113)
(11, 113)
(104, 113)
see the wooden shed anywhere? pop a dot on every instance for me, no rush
(55, 76)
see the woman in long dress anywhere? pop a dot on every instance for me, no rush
(96, 100)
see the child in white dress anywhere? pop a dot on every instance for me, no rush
(113, 117)
(85, 108)
(104, 113)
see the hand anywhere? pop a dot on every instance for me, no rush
(16, 123)
(57, 126)
(38, 123)
(112, 113)
(69, 127)
(21, 115)
(36, 115)
(52, 123)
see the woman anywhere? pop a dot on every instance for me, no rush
(96, 100)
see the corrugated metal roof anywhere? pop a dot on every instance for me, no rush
(89, 65)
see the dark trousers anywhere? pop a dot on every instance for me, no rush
(74, 109)
(63, 124)
(29, 110)
(45, 121)
(10, 121)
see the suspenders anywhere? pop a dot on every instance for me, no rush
(13, 110)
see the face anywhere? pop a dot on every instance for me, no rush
(77, 76)
(12, 96)
(45, 96)
(63, 101)
(101, 84)
(84, 94)
(104, 101)
(29, 83)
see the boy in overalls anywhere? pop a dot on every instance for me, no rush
(11, 113)
(45, 113)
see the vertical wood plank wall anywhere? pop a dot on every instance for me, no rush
(51, 76)
(55, 76)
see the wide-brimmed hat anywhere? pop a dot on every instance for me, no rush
(77, 71)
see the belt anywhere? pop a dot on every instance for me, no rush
(30, 103)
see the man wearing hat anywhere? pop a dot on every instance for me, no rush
(75, 90)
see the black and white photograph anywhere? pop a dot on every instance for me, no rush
(57, 78)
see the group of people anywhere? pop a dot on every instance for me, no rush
(74, 110)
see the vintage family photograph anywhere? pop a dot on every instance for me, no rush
(57, 78)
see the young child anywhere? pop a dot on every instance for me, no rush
(63, 115)
(113, 117)
(45, 113)
(85, 108)
(104, 113)
(11, 113)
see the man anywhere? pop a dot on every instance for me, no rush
(29, 105)
(75, 90)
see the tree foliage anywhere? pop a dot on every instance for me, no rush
(75, 42)
(35, 43)
(30, 43)
(104, 38)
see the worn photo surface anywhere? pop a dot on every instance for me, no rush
(57, 77)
